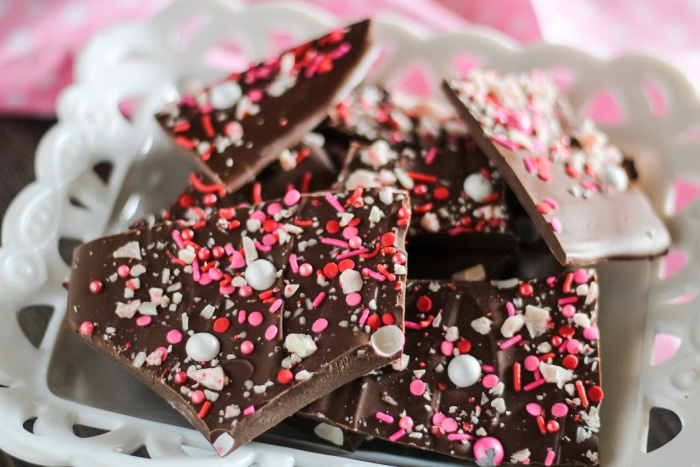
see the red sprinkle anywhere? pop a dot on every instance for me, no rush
(180, 377)
(517, 370)
(373, 321)
(570, 362)
(388, 320)
(204, 410)
(595, 393)
(526, 289)
(582, 393)
(333, 226)
(221, 325)
(464, 345)
(96, 287)
(541, 424)
(388, 239)
(346, 264)
(552, 426)
(285, 376)
(424, 304)
(330, 270)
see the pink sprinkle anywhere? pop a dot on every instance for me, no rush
(292, 197)
(487, 368)
(245, 291)
(530, 165)
(334, 202)
(351, 253)
(271, 332)
(228, 248)
(87, 328)
(490, 381)
(559, 410)
(241, 316)
(534, 409)
(311, 68)
(363, 318)
(293, 263)
(255, 318)
(163, 353)
(341, 50)
(447, 347)
(449, 425)
(557, 226)
(262, 247)
(319, 298)
(587, 184)
(581, 276)
(438, 418)
(255, 95)
(124, 270)
(353, 299)
(174, 337)
(406, 423)
(550, 458)
(537, 374)
(269, 240)
(319, 325)
(259, 215)
(397, 435)
(195, 270)
(531, 363)
(510, 342)
(247, 347)
(144, 320)
(534, 384)
(205, 279)
(551, 281)
(417, 388)
(411, 325)
(237, 259)
(459, 437)
(177, 237)
(355, 242)
(573, 346)
(373, 274)
(591, 333)
(552, 202)
(568, 311)
(562, 346)
(276, 305)
(430, 156)
(215, 274)
(335, 242)
(567, 300)
(349, 233)
(511, 308)
(306, 269)
(249, 411)
(227, 290)
(383, 417)
(197, 396)
(504, 142)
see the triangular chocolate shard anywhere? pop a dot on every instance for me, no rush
(244, 318)
(237, 127)
(568, 177)
(510, 367)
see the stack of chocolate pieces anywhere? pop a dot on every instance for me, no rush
(307, 269)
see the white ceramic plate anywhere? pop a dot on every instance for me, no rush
(62, 383)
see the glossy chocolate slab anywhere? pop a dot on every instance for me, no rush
(241, 320)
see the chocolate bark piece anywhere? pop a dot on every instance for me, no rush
(305, 168)
(507, 371)
(243, 319)
(458, 201)
(565, 173)
(237, 127)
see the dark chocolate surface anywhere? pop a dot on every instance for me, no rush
(567, 176)
(237, 127)
(272, 342)
(420, 405)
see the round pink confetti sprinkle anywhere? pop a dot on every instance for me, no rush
(276, 305)
(449, 425)
(255, 95)
(245, 291)
(205, 279)
(269, 240)
(255, 318)
(355, 242)
(271, 332)
(143, 320)
(216, 274)
(227, 290)
(557, 226)
(306, 269)
(568, 311)
(438, 418)
(591, 333)
(350, 232)
(534, 409)
(87, 328)
(353, 299)
(163, 353)
(406, 423)
(484, 445)
(197, 396)
(580, 276)
(123, 270)
(532, 363)
(259, 215)
(559, 410)
(174, 336)
(319, 325)
(386, 418)
(447, 347)
(573, 346)
(490, 381)
(274, 208)
(417, 387)
(292, 197)
(247, 347)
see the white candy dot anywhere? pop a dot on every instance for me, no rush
(202, 347)
(261, 274)
(387, 341)
(616, 176)
(225, 95)
(464, 371)
(477, 187)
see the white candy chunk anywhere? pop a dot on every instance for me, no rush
(251, 253)
(224, 444)
(290, 290)
(399, 269)
(536, 320)
(377, 154)
(556, 374)
(387, 341)
(351, 281)
(520, 456)
(582, 320)
(403, 178)
(615, 176)
(452, 334)
(287, 160)
(260, 274)
(253, 225)
(127, 310)
(401, 363)
(207, 312)
(140, 359)
(187, 255)
(430, 222)
(591, 418)
(202, 347)
(224, 95)
(362, 178)
(302, 345)
(592, 293)
(330, 433)
(582, 434)
(512, 325)
(477, 187)
(137, 270)
(303, 375)
(212, 378)
(482, 325)
(376, 214)
(499, 404)
(131, 250)
(148, 308)
(464, 370)
(232, 411)
(386, 196)
(155, 358)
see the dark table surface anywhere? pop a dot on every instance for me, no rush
(18, 140)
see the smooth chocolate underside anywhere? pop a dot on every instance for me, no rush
(622, 225)
(343, 351)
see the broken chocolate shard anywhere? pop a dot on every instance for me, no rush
(509, 368)
(242, 319)
(568, 177)
(237, 127)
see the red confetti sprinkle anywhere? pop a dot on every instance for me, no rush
(218, 252)
(388, 239)
(570, 362)
(180, 377)
(285, 376)
(221, 325)
(333, 226)
(526, 289)
(464, 345)
(388, 319)
(345, 264)
(595, 394)
(330, 270)
(441, 193)
(424, 304)
(373, 321)
(552, 426)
